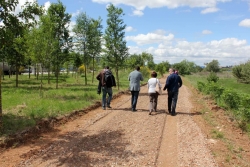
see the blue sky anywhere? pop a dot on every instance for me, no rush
(174, 30)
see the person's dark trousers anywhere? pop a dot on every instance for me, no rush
(172, 101)
(106, 101)
(134, 98)
(153, 98)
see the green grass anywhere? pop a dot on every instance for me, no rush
(225, 79)
(24, 105)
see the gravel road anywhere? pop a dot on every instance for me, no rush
(119, 137)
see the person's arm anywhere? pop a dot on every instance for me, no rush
(98, 77)
(159, 83)
(180, 81)
(141, 78)
(167, 83)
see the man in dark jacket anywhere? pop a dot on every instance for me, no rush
(173, 83)
(106, 87)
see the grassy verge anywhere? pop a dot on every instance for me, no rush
(25, 105)
(217, 130)
(225, 79)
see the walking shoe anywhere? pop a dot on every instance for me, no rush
(173, 114)
(150, 113)
(104, 108)
(133, 109)
(109, 107)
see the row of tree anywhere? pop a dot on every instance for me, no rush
(48, 42)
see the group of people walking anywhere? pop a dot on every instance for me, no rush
(172, 85)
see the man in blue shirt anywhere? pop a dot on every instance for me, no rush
(173, 83)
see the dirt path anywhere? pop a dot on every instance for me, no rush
(119, 137)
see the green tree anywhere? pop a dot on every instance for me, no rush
(148, 60)
(13, 27)
(116, 51)
(94, 44)
(162, 67)
(82, 31)
(60, 20)
(213, 66)
(186, 67)
(242, 72)
(134, 60)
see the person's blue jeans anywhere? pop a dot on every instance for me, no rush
(172, 100)
(106, 101)
(134, 98)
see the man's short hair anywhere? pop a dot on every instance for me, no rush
(107, 67)
(137, 68)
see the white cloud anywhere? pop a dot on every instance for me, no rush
(150, 38)
(209, 10)
(76, 13)
(47, 5)
(228, 51)
(141, 5)
(129, 29)
(206, 32)
(138, 13)
(245, 23)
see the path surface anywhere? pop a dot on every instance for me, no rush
(119, 137)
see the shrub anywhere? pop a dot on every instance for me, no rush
(200, 86)
(212, 77)
(231, 99)
(145, 72)
(81, 69)
(214, 89)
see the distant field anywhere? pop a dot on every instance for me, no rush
(225, 79)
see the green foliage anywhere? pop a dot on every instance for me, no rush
(231, 99)
(162, 67)
(116, 51)
(213, 66)
(236, 103)
(242, 72)
(143, 59)
(185, 67)
(213, 89)
(201, 86)
(81, 69)
(145, 72)
(212, 77)
(217, 134)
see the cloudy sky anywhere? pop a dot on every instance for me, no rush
(174, 30)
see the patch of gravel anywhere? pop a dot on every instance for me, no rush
(192, 144)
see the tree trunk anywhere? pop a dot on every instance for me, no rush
(93, 75)
(117, 79)
(41, 84)
(17, 73)
(85, 72)
(57, 75)
(1, 110)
